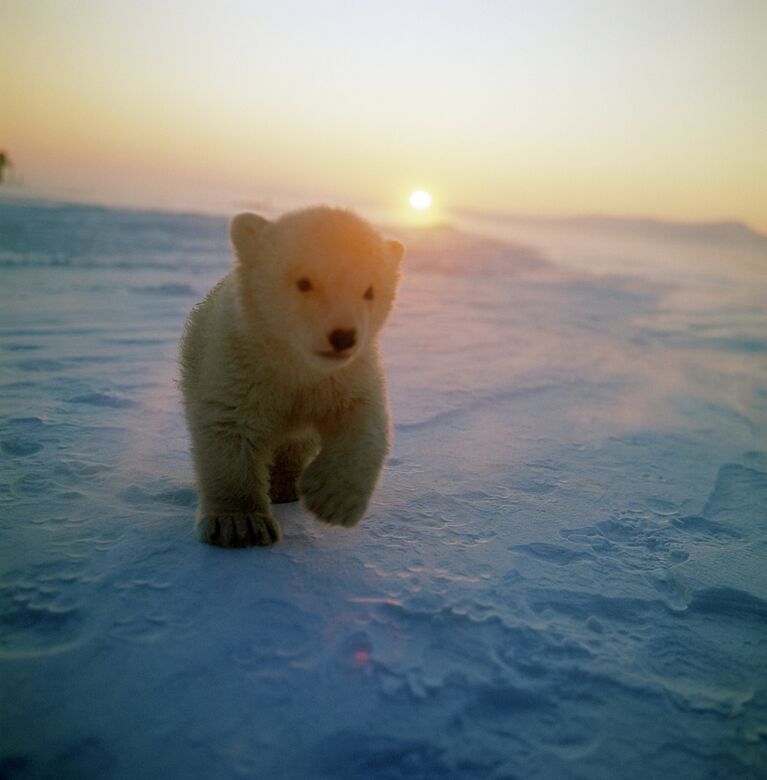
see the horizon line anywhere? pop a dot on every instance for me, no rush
(94, 200)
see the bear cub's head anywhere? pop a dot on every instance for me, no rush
(318, 282)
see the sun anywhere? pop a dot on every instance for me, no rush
(420, 199)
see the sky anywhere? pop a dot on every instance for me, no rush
(553, 107)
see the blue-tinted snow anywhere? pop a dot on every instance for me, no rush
(562, 573)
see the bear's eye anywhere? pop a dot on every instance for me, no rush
(368, 296)
(304, 284)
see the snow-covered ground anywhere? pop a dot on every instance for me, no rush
(563, 573)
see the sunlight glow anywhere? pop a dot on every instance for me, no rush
(420, 199)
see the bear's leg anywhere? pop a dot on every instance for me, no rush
(337, 485)
(232, 480)
(288, 462)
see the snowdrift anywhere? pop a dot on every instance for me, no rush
(562, 573)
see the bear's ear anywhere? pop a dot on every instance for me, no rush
(397, 250)
(244, 231)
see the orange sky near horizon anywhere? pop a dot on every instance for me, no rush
(552, 107)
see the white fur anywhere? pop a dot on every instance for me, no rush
(273, 411)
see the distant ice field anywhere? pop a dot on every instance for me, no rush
(563, 573)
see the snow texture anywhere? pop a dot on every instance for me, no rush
(562, 574)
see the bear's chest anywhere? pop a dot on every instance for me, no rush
(287, 410)
(314, 405)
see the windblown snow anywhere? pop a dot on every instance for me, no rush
(563, 573)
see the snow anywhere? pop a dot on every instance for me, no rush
(562, 573)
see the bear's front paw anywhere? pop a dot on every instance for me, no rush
(238, 529)
(331, 502)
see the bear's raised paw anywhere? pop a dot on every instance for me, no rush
(238, 529)
(330, 502)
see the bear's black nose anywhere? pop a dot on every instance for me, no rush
(341, 339)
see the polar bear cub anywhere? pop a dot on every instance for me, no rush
(283, 391)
